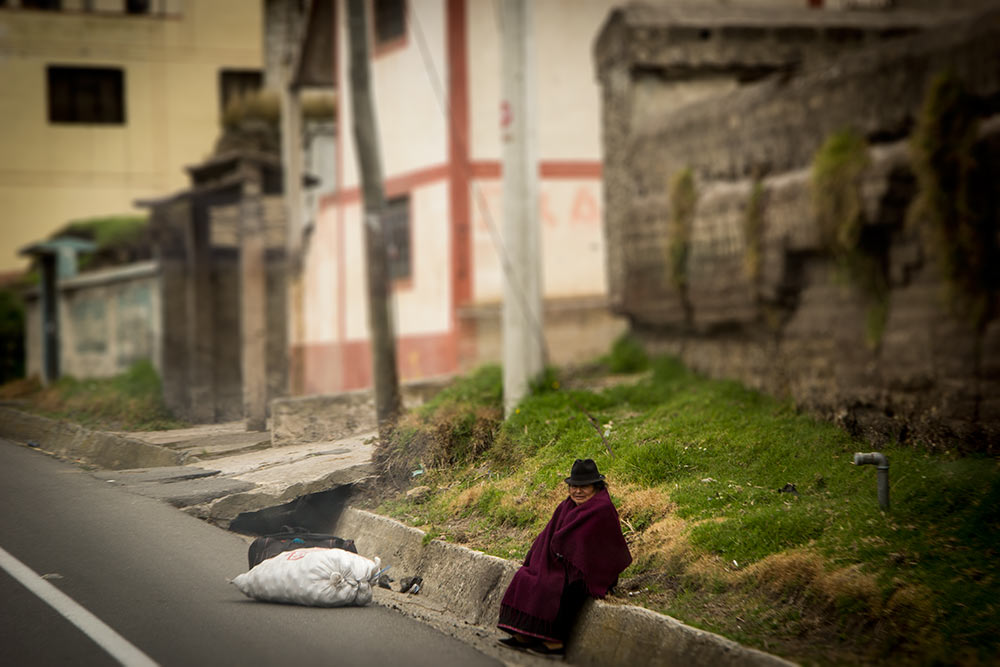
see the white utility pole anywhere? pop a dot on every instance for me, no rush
(523, 342)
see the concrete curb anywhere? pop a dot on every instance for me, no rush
(64, 439)
(470, 585)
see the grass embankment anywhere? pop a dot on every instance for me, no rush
(821, 575)
(132, 401)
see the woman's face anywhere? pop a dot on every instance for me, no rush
(581, 494)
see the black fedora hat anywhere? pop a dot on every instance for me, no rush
(584, 472)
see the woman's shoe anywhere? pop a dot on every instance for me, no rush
(511, 642)
(543, 650)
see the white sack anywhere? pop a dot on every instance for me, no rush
(314, 576)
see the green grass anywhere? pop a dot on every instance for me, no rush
(482, 387)
(710, 456)
(132, 401)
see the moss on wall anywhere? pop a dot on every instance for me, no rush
(836, 180)
(858, 252)
(753, 231)
(683, 202)
(949, 208)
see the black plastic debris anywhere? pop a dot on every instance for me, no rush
(410, 585)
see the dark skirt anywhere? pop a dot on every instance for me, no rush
(572, 599)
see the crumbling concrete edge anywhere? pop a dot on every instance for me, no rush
(224, 510)
(70, 441)
(470, 585)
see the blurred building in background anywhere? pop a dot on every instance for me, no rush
(435, 68)
(107, 101)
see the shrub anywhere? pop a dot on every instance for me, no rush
(627, 356)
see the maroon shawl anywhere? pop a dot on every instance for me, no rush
(586, 537)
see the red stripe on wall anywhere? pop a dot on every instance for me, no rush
(570, 169)
(336, 367)
(395, 185)
(461, 171)
(551, 169)
(486, 169)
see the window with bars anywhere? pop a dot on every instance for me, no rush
(390, 21)
(86, 95)
(236, 84)
(396, 228)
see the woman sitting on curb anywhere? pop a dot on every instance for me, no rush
(580, 552)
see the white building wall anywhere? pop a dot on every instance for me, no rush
(483, 30)
(572, 243)
(410, 115)
(421, 305)
(568, 92)
(322, 280)
(425, 306)
(568, 113)
(407, 83)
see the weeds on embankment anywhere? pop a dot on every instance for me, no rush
(818, 574)
(131, 401)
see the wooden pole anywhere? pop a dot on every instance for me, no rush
(387, 398)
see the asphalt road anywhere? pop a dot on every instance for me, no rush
(158, 579)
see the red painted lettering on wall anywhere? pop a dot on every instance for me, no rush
(548, 217)
(506, 115)
(584, 208)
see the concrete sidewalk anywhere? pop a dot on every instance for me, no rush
(239, 480)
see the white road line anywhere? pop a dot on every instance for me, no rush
(117, 646)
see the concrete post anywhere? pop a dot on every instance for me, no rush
(253, 302)
(200, 329)
(291, 148)
(523, 341)
(49, 302)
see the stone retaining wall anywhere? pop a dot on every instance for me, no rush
(793, 324)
